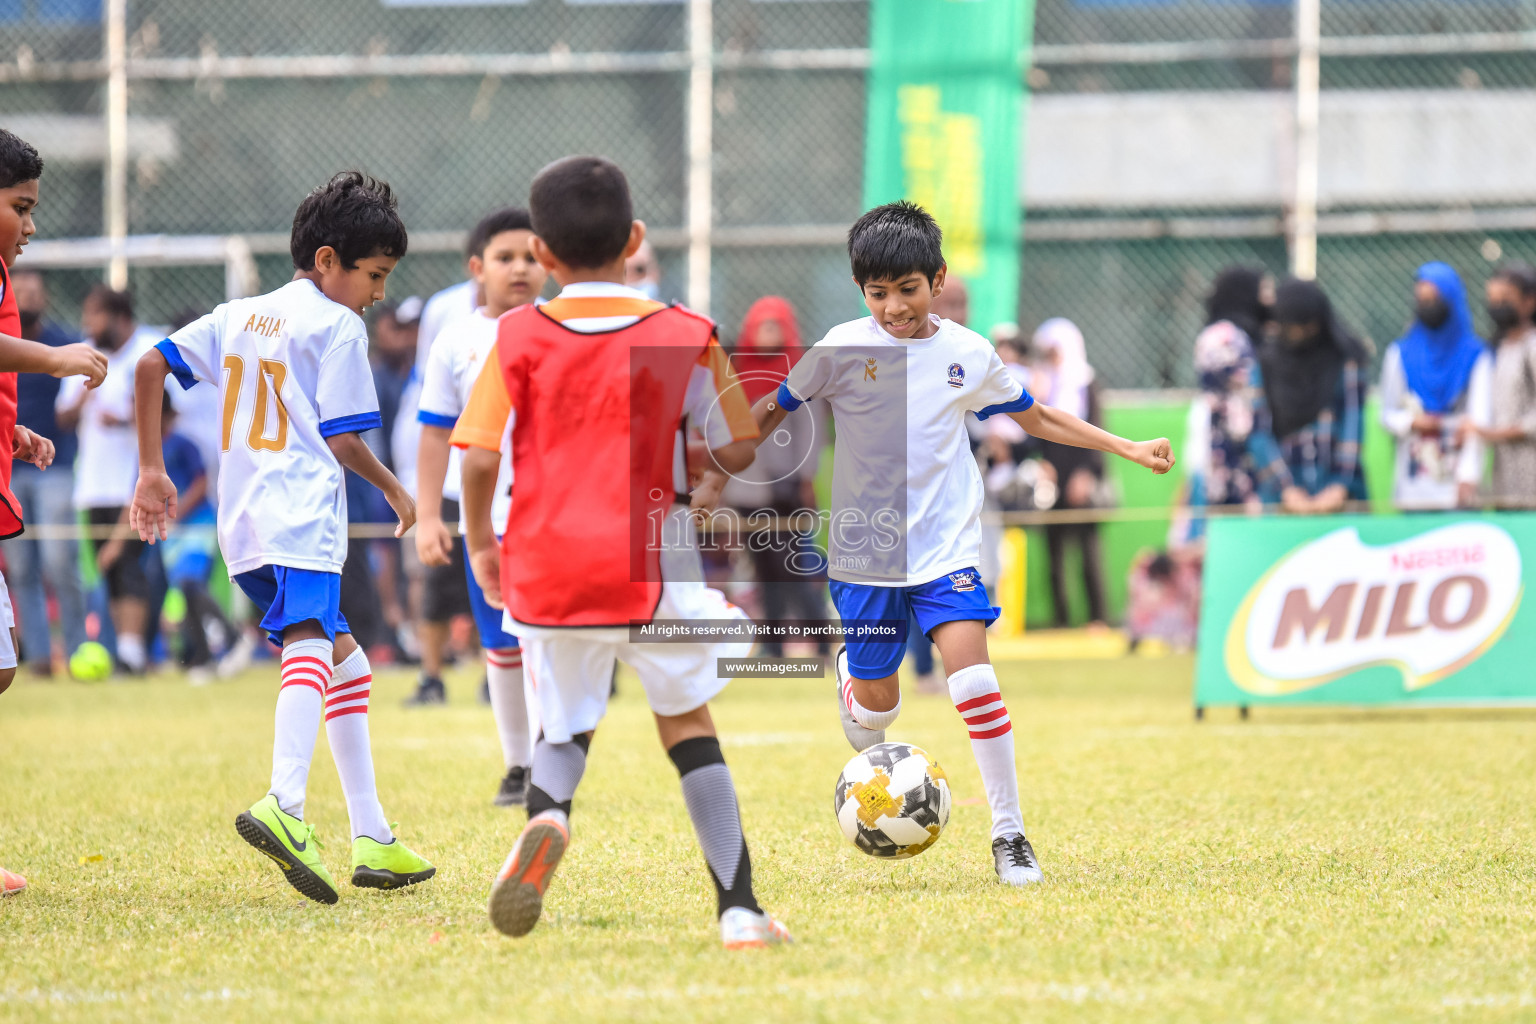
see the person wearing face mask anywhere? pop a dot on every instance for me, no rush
(1436, 381)
(642, 271)
(1217, 463)
(1511, 429)
(1308, 419)
(41, 566)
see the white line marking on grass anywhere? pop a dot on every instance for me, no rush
(765, 739)
(87, 997)
(1195, 730)
(1054, 992)
(459, 744)
(1502, 999)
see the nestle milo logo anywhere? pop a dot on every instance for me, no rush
(1428, 606)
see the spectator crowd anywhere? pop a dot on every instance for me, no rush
(1277, 425)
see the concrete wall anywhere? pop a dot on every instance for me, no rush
(1233, 149)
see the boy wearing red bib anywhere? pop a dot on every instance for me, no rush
(595, 384)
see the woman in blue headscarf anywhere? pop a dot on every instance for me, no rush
(1435, 378)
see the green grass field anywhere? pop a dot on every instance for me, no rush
(1302, 866)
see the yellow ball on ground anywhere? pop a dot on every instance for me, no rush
(91, 662)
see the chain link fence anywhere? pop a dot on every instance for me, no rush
(1159, 143)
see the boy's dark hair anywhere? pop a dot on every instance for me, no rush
(508, 218)
(352, 213)
(581, 209)
(19, 162)
(894, 240)
(113, 303)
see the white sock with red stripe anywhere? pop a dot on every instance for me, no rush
(979, 701)
(306, 671)
(346, 729)
(861, 714)
(509, 705)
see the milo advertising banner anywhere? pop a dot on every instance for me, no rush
(1420, 609)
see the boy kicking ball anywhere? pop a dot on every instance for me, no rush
(906, 494)
(296, 389)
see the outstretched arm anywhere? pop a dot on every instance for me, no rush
(353, 454)
(22, 356)
(1051, 424)
(769, 412)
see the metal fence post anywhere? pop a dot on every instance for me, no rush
(701, 112)
(1304, 213)
(115, 196)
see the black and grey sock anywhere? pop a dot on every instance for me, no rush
(557, 771)
(711, 798)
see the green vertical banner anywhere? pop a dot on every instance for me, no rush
(946, 98)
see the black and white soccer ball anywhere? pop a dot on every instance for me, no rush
(892, 800)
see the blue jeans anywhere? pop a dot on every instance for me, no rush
(38, 566)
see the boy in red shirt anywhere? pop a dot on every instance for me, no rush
(20, 169)
(595, 384)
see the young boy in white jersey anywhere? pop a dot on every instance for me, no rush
(502, 265)
(296, 390)
(906, 494)
(594, 385)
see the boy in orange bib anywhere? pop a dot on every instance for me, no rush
(595, 385)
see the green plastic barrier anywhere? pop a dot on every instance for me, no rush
(1361, 610)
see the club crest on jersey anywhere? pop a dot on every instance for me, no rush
(870, 368)
(956, 375)
(963, 581)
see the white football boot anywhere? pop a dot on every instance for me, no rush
(740, 928)
(517, 896)
(861, 738)
(1015, 861)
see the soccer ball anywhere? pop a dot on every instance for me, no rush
(91, 662)
(892, 800)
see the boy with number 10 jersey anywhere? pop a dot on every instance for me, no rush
(292, 368)
(295, 391)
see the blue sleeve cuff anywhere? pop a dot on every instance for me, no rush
(354, 424)
(436, 419)
(787, 398)
(179, 368)
(1024, 401)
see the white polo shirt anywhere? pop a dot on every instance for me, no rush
(906, 493)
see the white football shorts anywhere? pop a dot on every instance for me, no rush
(570, 671)
(7, 623)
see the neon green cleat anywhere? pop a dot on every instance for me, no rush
(391, 865)
(291, 845)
